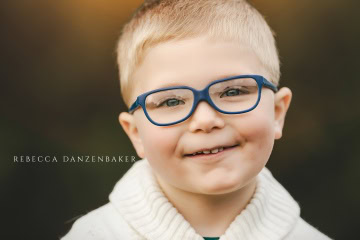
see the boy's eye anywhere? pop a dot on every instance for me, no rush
(233, 92)
(171, 102)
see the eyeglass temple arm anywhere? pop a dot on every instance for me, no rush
(134, 106)
(270, 85)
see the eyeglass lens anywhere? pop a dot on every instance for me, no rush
(231, 96)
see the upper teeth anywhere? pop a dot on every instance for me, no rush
(210, 151)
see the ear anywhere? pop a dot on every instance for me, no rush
(127, 121)
(282, 103)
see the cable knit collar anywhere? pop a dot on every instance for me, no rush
(271, 213)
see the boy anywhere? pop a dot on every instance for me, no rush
(200, 79)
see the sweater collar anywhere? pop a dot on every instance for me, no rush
(270, 214)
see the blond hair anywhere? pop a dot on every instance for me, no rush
(157, 21)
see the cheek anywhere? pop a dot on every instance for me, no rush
(256, 129)
(262, 120)
(260, 129)
(159, 143)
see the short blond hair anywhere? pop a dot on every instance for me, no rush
(158, 21)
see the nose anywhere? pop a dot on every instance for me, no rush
(205, 119)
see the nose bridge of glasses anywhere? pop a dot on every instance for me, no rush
(202, 95)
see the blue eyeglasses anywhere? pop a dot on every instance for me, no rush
(172, 105)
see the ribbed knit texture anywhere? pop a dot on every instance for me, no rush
(270, 215)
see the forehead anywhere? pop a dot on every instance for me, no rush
(193, 62)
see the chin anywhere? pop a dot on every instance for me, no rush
(219, 188)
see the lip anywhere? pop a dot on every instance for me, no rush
(212, 157)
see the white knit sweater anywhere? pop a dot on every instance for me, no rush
(138, 209)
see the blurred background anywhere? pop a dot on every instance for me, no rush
(60, 96)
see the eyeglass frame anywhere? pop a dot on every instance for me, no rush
(202, 95)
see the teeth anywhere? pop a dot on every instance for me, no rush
(216, 150)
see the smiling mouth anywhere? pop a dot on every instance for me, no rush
(210, 151)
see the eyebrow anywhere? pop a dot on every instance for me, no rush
(228, 75)
(171, 84)
(174, 84)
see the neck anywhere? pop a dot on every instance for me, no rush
(209, 215)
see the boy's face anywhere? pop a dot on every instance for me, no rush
(247, 138)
